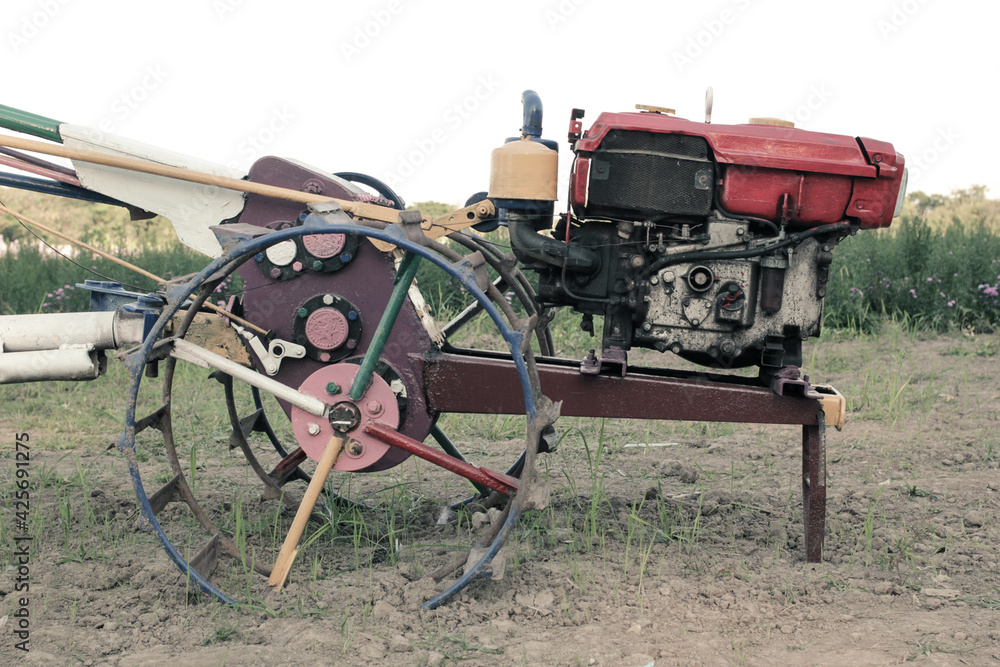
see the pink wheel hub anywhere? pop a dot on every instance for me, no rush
(327, 328)
(378, 404)
(324, 246)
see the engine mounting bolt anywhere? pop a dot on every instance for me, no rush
(296, 266)
(374, 407)
(259, 257)
(637, 261)
(313, 428)
(327, 299)
(324, 356)
(695, 322)
(653, 280)
(317, 265)
(302, 312)
(352, 315)
(345, 258)
(275, 273)
(351, 344)
(332, 388)
(646, 326)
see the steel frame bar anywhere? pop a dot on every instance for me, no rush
(454, 382)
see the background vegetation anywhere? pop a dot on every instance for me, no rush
(938, 267)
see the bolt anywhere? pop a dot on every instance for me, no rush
(482, 210)
(313, 428)
(275, 273)
(374, 407)
(259, 257)
(345, 258)
(355, 448)
(646, 326)
(302, 312)
(352, 315)
(740, 231)
(654, 280)
(332, 388)
(327, 299)
(296, 266)
(324, 356)
(317, 265)
(351, 344)
(695, 322)
(303, 216)
(637, 261)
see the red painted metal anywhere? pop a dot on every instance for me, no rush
(457, 382)
(488, 478)
(827, 177)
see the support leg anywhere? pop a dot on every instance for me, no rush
(814, 488)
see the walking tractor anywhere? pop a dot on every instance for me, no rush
(711, 242)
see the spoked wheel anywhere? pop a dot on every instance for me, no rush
(360, 385)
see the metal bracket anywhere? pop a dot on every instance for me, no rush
(612, 356)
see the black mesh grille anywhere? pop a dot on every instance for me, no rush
(651, 173)
(655, 142)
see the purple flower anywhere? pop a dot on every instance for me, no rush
(951, 304)
(914, 293)
(991, 291)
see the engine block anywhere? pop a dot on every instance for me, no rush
(710, 241)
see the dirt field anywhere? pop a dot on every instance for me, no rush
(685, 553)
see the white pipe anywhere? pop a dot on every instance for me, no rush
(197, 355)
(100, 330)
(67, 363)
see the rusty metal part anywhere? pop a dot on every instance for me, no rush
(814, 487)
(488, 478)
(454, 382)
(210, 332)
(446, 224)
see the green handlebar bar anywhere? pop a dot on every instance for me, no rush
(29, 123)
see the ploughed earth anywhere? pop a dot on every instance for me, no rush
(664, 543)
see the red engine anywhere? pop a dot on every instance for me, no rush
(710, 241)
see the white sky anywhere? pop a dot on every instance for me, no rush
(424, 97)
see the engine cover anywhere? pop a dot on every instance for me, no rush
(765, 171)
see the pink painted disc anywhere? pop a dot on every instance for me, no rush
(327, 328)
(378, 404)
(324, 246)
